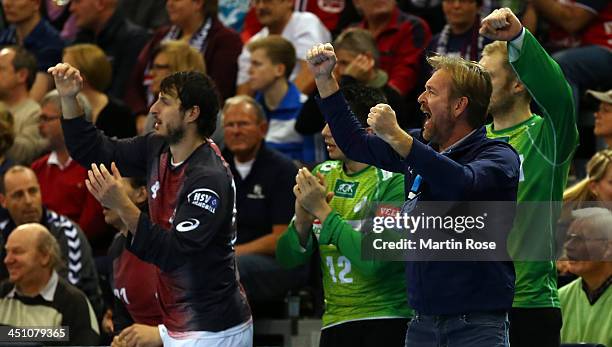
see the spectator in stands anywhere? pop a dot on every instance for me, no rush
(108, 113)
(603, 117)
(358, 61)
(521, 69)
(149, 14)
(101, 23)
(272, 60)
(335, 15)
(597, 186)
(460, 34)
(136, 311)
(586, 302)
(171, 56)
(302, 29)
(7, 138)
(20, 195)
(401, 39)
(17, 73)
(264, 179)
(59, 16)
(35, 34)
(62, 180)
(590, 65)
(194, 22)
(365, 300)
(35, 295)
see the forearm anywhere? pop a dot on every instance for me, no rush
(71, 108)
(401, 142)
(130, 214)
(327, 85)
(290, 252)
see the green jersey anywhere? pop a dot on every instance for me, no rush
(354, 289)
(545, 146)
(583, 322)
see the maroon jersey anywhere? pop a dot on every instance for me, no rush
(191, 232)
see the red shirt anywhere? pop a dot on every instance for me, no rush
(401, 44)
(63, 191)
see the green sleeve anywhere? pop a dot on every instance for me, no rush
(289, 251)
(547, 85)
(335, 230)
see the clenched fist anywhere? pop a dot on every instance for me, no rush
(501, 25)
(383, 121)
(321, 60)
(68, 80)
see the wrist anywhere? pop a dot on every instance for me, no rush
(323, 212)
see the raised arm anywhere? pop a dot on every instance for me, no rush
(542, 77)
(385, 149)
(86, 144)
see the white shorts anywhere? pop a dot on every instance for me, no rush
(238, 336)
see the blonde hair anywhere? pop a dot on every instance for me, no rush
(471, 80)
(92, 63)
(597, 166)
(181, 56)
(501, 48)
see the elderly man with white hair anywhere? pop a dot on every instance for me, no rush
(586, 302)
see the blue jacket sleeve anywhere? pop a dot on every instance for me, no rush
(495, 166)
(352, 138)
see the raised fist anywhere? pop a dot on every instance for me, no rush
(68, 80)
(501, 25)
(321, 60)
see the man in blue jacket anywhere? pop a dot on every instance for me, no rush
(456, 303)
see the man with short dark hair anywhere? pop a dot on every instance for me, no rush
(20, 196)
(100, 22)
(35, 295)
(17, 73)
(189, 233)
(37, 35)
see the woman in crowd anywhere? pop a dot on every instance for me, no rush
(108, 114)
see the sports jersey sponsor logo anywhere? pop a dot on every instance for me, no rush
(187, 225)
(346, 189)
(204, 198)
(155, 189)
(387, 211)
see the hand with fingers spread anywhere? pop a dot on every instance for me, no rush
(501, 25)
(68, 80)
(360, 68)
(140, 335)
(321, 60)
(312, 194)
(107, 187)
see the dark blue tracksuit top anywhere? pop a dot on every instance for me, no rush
(478, 169)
